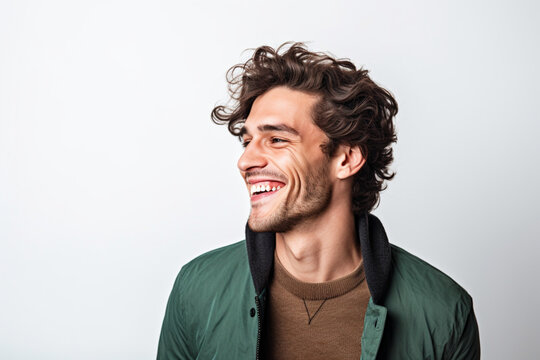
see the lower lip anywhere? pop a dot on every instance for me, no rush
(263, 195)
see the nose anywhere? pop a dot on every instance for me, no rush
(252, 158)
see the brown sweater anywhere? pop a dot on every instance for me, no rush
(315, 320)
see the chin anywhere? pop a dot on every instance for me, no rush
(259, 225)
(275, 223)
(267, 225)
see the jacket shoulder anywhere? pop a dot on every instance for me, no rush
(216, 257)
(216, 264)
(415, 275)
(428, 308)
(204, 305)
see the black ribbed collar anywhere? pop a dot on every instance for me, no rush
(373, 243)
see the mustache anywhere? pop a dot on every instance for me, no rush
(265, 173)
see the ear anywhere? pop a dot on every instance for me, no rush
(350, 161)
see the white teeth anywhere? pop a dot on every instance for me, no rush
(262, 188)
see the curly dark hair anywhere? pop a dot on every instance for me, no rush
(352, 109)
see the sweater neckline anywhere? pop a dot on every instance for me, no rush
(317, 291)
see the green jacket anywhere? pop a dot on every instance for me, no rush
(216, 308)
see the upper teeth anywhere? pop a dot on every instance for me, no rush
(262, 188)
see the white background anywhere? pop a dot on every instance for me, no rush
(112, 175)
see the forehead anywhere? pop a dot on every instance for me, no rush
(285, 106)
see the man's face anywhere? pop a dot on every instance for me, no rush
(286, 173)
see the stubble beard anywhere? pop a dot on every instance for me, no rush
(316, 198)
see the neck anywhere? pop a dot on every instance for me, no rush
(321, 249)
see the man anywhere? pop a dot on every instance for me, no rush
(316, 277)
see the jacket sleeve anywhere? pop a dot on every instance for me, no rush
(467, 346)
(174, 339)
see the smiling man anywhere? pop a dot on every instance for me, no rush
(316, 277)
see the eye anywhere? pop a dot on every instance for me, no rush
(245, 143)
(276, 140)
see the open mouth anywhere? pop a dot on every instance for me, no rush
(265, 188)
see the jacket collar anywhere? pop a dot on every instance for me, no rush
(373, 243)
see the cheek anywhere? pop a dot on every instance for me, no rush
(297, 169)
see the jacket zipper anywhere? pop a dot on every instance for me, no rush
(257, 302)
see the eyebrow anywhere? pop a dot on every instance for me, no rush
(268, 128)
